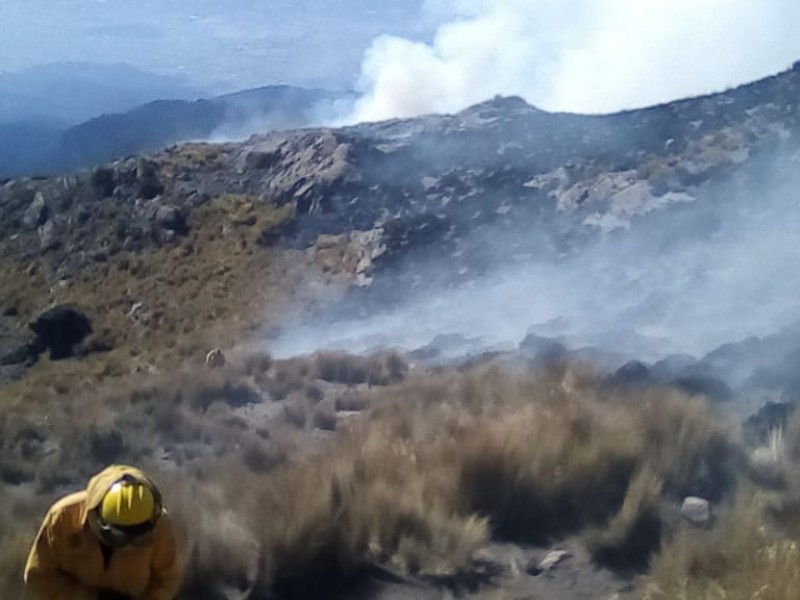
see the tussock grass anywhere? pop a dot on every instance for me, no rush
(752, 551)
(742, 558)
(434, 467)
(19, 516)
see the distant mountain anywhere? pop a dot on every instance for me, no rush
(26, 146)
(44, 147)
(74, 92)
(165, 122)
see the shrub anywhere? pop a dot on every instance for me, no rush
(102, 182)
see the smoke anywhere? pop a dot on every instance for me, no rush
(576, 55)
(685, 280)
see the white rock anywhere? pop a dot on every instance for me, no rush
(552, 559)
(696, 510)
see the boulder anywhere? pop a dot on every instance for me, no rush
(37, 213)
(171, 218)
(60, 329)
(696, 510)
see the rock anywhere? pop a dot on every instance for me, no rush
(215, 359)
(47, 236)
(550, 561)
(696, 510)
(446, 345)
(171, 218)
(102, 181)
(139, 314)
(632, 372)
(38, 212)
(262, 160)
(60, 329)
(543, 349)
(23, 354)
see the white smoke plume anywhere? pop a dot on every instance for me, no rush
(584, 56)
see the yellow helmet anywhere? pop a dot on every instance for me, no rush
(128, 503)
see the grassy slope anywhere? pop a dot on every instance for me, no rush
(217, 287)
(436, 465)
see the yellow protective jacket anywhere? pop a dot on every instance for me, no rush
(66, 561)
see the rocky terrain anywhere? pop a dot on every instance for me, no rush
(116, 281)
(365, 202)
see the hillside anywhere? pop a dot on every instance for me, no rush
(443, 335)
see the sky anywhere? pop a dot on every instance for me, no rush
(226, 45)
(408, 57)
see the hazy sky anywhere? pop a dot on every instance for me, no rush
(414, 56)
(229, 43)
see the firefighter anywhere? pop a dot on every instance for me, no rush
(112, 541)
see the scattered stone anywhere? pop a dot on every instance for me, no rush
(60, 329)
(696, 510)
(550, 561)
(139, 314)
(38, 212)
(215, 359)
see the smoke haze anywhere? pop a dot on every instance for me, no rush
(686, 280)
(586, 56)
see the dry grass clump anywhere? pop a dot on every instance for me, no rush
(221, 553)
(752, 551)
(740, 559)
(437, 465)
(628, 541)
(443, 460)
(381, 369)
(376, 500)
(19, 522)
(335, 367)
(531, 450)
(688, 445)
